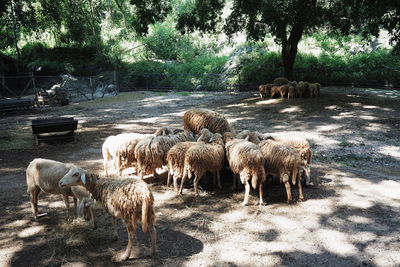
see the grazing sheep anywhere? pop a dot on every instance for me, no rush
(128, 199)
(314, 89)
(44, 175)
(246, 160)
(265, 90)
(197, 119)
(281, 81)
(292, 89)
(275, 90)
(304, 90)
(202, 158)
(318, 88)
(125, 157)
(176, 157)
(282, 161)
(85, 203)
(254, 137)
(166, 130)
(284, 90)
(303, 148)
(151, 152)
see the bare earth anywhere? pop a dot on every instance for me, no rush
(350, 219)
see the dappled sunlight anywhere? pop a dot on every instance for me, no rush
(330, 127)
(336, 242)
(393, 151)
(268, 101)
(291, 109)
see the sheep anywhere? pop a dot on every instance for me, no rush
(246, 160)
(282, 161)
(314, 89)
(128, 199)
(176, 156)
(303, 88)
(303, 148)
(275, 90)
(85, 203)
(43, 175)
(151, 152)
(292, 89)
(281, 81)
(254, 137)
(201, 158)
(197, 119)
(125, 157)
(265, 90)
(166, 130)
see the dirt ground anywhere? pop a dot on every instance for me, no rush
(350, 219)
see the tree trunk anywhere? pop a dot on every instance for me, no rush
(14, 24)
(288, 56)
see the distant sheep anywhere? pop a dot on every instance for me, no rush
(128, 199)
(246, 160)
(197, 119)
(304, 90)
(254, 137)
(281, 81)
(282, 161)
(44, 175)
(151, 152)
(292, 89)
(314, 89)
(265, 90)
(202, 158)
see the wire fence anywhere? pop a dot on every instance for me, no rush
(92, 87)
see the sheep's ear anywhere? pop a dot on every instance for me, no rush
(83, 178)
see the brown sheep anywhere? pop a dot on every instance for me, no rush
(265, 90)
(281, 81)
(292, 89)
(254, 137)
(304, 90)
(128, 199)
(202, 158)
(246, 160)
(314, 89)
(197, 119)
(282, 161)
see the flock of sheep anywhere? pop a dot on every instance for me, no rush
(283, 87)
(206, 144)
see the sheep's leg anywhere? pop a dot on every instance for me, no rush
(131, 241)
(175, 183)
(115, 226)
(92, 218)
(34, 201)
(285, 180)
(300, 191)
(75, 205)
(196, 183)
(234, 187)
(153, 236)
(219, 180)
(260, 192)
(66, 200)
(246, 194)
(105, 166)
(182, 182)
(169, 179)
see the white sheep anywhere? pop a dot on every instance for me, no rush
(282, 161)
(246, 160)
(201, 158)
(128, 199)
(151, 152)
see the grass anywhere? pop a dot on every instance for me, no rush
(184, 93)
(20, 138)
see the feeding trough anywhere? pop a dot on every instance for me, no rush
(54, 129)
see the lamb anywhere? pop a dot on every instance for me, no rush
(44, 175)
(282, 161)
(128, 199)
(201, 158)
(151, 152)
(281, 81)
(246, 160)
(265, 90)
(176, 157)
(197, 119)
(303, 148)
(85, 203)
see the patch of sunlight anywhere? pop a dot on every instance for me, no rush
(291, 109)
(333, 107)
(16, 223)
(336, 242)
(368, 117)
(355, 104)
(363, 236)
(7, 254)
(234, 216)
(268, 101)
(376, 127)
(330, 127)
(369, 107)
(359, 219)
(283, 222)
(30, 231)
(393, 151)
(236, 105)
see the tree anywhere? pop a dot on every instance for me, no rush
(286, 20)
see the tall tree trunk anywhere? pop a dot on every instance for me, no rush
(289, 49)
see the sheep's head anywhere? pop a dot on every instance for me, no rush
(75, 176)
(228, 136)
(205, 135)
(217, 139)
